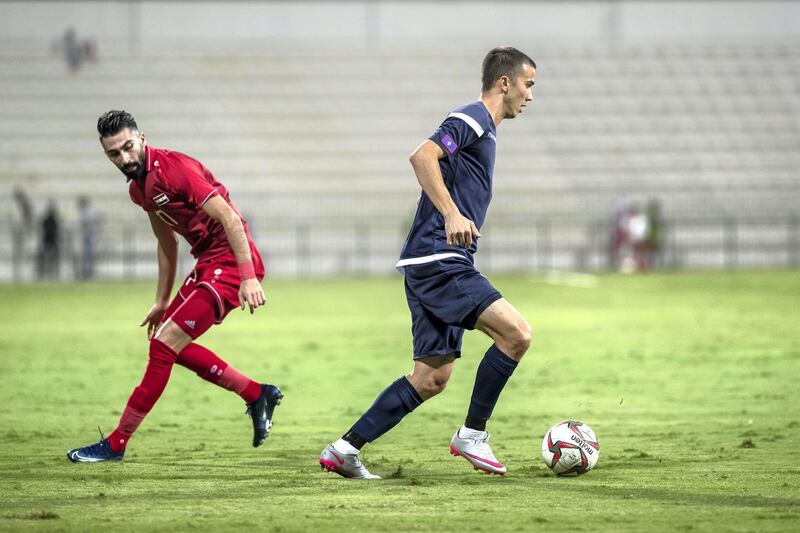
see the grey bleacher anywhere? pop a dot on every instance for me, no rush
(310, 137)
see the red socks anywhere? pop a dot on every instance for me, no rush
(128, 422)
(159, 366)
(211, 368)
(145, 396)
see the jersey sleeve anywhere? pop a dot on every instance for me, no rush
(458, 131)
(193, 183)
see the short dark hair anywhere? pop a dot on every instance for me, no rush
(502, 61)
(114, 121)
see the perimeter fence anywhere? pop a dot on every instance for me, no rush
(328, 246)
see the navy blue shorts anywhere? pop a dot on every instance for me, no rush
(445, 298)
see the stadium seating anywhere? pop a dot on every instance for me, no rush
(313, 144)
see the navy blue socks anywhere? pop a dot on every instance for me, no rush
(400, 398)
(391, 405)
(493, 372)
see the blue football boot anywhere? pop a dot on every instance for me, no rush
(261, 410)
(95, 453)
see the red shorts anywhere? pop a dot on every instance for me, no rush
(217, 280)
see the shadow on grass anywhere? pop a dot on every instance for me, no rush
(34, 515)
(689, 498)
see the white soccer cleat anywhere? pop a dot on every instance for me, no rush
(345, 464)
(473, 445)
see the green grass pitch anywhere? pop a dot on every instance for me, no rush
(689, 380)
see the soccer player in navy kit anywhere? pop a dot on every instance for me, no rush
(181, 196)
(445, 293)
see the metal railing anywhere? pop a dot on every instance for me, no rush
(357, 246)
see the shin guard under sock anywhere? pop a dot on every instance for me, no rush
(493, 372)
(391, 405)
(145, 396)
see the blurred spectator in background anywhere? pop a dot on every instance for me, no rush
(655, 233)
(21, 224)
(88, 228)
(75, 51)
(619, 235)
(638, 232)
(635, 243)
(50, 247)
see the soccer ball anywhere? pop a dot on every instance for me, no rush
(570, 448)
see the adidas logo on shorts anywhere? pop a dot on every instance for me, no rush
(189, 323)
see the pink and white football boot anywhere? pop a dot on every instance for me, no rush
(473, 445)
(345, 463)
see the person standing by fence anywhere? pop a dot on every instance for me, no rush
(50, 243)
(88, 235)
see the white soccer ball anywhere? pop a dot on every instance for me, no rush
(570, 448)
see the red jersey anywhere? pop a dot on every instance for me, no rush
(175, 187)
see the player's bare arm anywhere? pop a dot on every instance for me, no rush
(167, 251)
(425, 161)
(250, 291)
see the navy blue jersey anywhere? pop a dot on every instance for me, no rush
(467, 137)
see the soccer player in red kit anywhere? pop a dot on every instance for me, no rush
(181, 196)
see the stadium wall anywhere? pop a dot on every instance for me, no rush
(144, 24)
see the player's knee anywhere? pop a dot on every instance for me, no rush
(173, 336)
(433, 385)
(160, 358)
(438, 383)
(519, 340)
